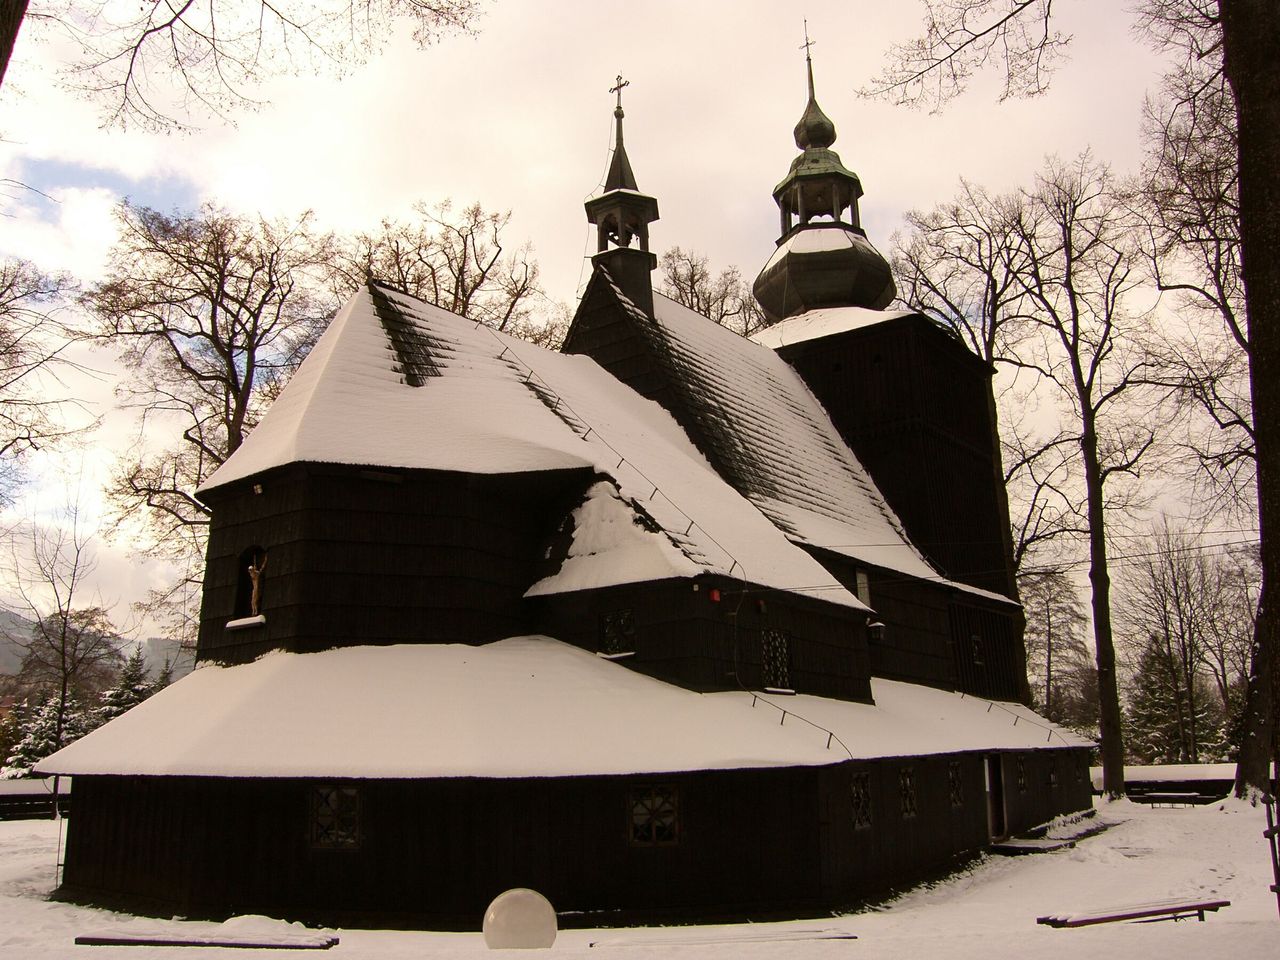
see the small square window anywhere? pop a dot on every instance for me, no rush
(654, 816)
(335, 818)
(907, 791)
(955, 783)
(618, 632)
(860, 795)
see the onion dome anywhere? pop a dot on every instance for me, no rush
(824, 258)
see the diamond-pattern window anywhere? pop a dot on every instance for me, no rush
(777, 659)
(335, 818)
(654, 816)
(1021, 769)
(907, 791)
(618, 632)
(955, 783)
(860, 795)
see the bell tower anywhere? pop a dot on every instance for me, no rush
(621, 216)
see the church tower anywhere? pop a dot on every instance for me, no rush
(824, 258)
(621, 216)
(907, 397)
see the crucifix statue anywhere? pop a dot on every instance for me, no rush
(255, 578)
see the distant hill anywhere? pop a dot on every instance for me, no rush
(156, 649)
(12, 625)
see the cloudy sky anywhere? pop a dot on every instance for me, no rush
(519, 117)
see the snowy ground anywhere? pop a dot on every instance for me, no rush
(989, 911)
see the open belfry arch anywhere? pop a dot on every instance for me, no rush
(671, 623)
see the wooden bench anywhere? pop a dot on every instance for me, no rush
(1167, 799)
(1145, 912)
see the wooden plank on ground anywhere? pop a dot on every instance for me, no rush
(314, 941)
(1156, 910)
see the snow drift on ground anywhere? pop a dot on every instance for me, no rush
(985, 912)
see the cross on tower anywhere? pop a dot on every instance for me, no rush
(804, 46)
(618, 89)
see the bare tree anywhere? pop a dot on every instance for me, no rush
(211, 313)
(1057, 657)
(457, 261)
(1079, 273)
(1163, 621)
(157, 62)
(724, 297)
(962, 37)
(961, 264)
(32, 346)
(1188, 202)
(71, 652)
(1234, 580)
(1246, 34)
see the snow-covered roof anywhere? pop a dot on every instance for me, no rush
(823, 322)
(522, 707)
(786, 455)
(395, 382)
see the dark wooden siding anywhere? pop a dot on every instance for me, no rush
(914, 406)
(373, 557)
(684, 637)
(930, 629)
(435, 852)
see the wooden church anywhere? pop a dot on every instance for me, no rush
(669, 624)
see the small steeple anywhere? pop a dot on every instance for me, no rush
(833, 264)
(622, 214)
(620, 176)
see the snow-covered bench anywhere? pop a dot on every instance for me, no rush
(1167, 799)
(1156, 910)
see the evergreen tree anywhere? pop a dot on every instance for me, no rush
(39, 734)
(10, 727)
(131, 687)
(1164, 724)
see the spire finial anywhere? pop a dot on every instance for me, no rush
(814, 128)
(808, 60)
(617, 88)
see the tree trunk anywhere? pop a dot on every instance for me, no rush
(1109, 723)
(1251, 37)
(11, 14)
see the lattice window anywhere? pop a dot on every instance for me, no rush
(777, 659)
(654, 813)
(618, 632)
(955, 783)
(907, 791)
(1021, 768)
(335, 818)
(860, 795)
(976, 641)
(1053, 772)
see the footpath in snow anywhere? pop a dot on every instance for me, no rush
(986, 911)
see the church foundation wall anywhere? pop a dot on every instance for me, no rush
(433, 853)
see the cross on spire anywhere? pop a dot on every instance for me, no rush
(808, 60)
(618, 89)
